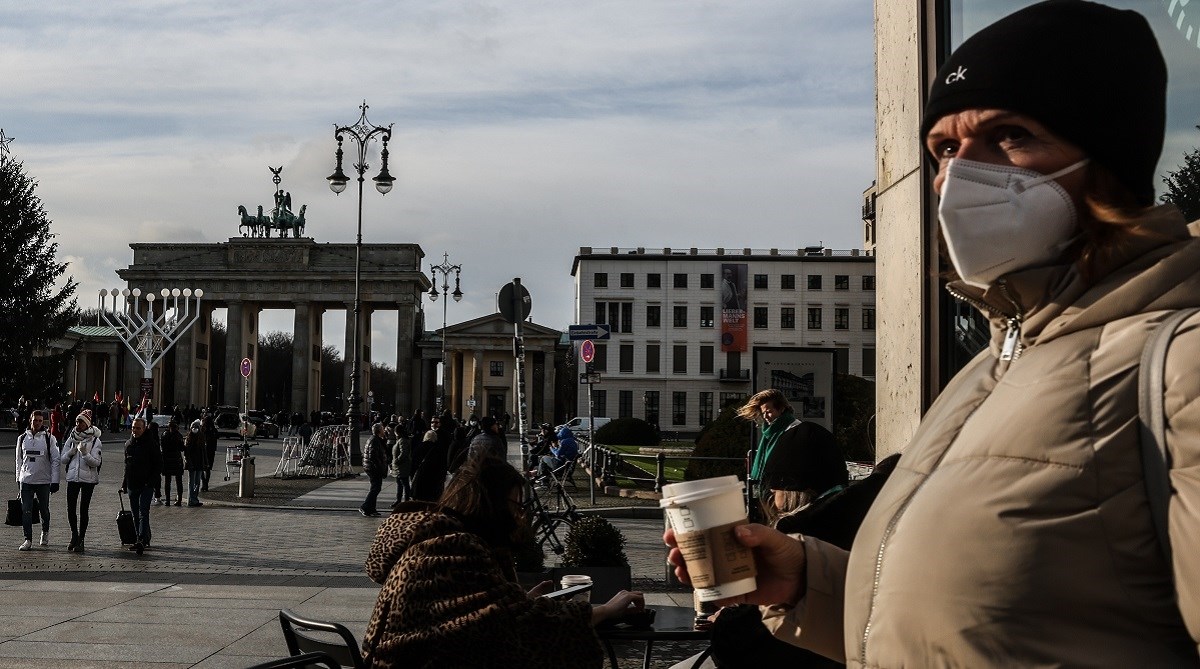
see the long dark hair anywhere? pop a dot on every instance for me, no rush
(480, 493)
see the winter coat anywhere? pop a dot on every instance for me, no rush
(37, 458)
(375, 458)
(486, 442)
(448, 600)
(172, 453)
(402, 458)
(568, 448)
(1015, 530)
(82, 455)
(143, 462)
(195, 457)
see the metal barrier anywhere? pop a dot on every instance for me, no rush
(610, 460)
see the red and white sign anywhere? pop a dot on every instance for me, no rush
(245, 368)
(587, 351)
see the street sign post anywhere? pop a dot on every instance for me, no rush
(514, 304)
(580, 332)
(246, 367)
(589, 378)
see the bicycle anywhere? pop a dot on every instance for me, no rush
(545, 521)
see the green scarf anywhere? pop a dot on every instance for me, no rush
(771, 432)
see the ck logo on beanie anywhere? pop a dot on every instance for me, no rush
(958, 75)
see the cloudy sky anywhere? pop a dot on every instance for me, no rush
(524, 129)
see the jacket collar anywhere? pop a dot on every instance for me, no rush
(1155, 270)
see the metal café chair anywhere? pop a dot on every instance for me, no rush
(296, 633)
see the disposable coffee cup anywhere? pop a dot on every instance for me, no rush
(704, 514)
(569, 580)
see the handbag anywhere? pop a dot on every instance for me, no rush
(13, 517)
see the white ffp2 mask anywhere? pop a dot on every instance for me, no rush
(997, 219)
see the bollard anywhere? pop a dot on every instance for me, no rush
(246, 480)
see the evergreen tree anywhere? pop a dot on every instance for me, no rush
(1183, 185)
(35, 309)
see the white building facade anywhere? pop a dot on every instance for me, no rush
(664, 361)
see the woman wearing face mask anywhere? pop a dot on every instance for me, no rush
(1016, 529)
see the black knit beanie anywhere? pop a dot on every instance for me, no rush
(1092, 74)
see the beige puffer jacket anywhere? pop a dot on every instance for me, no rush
(1015, 530)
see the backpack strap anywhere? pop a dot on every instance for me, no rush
(1156, 460)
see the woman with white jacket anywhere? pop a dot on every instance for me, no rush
(82, 456)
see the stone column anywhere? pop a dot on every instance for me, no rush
(477, 382)
(110, 381)
(234, 352)
(404, 357)
(250, 312)
(185, 356)
(306, 337)
(201, 334)
(547, 407)
(364, 379)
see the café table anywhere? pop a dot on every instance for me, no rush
(671, 623)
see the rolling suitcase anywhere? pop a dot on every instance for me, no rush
(125, 524)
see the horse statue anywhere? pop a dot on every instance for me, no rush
(249, 223)
(299, 229)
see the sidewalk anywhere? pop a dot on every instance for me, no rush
(207, 594)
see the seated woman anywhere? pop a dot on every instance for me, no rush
(450, 596)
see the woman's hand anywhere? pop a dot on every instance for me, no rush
(779, 558)
(541, 589)
(617, 605)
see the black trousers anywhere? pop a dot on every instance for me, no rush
(79, 494)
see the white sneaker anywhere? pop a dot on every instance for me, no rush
(45, 539)
(26, 546)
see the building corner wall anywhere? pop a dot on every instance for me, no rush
(900, 229)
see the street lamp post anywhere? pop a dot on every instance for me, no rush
(445, 268)
(362, 132)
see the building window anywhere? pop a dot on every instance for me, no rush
(760, 281)
(814, 318)
(625, 404)
(618, 315)
(600, 400)
(680, 319)
(496, 368)
(626, 358)
(868, 362)
(654, 281)
(869, 282)
(614, 315)
(681, 280)
(706, 360)
(600, 280)
(787, 318)
(679, 359)
(787, 282)
(732, 399)
(600, 361)
(760, 318)
(678, 408)
(706, 408)
(650, 399)
(841, 282)
(706, 280)
(601, 313)
(706, 317)
(627, 317)
(868, 318)
(653, 316)
(627, 279)
(841, 318)
(814, 282)
(652, 359)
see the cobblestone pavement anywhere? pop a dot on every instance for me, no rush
(208, 591)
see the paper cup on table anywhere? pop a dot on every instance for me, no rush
(569, 580)
(704, 514)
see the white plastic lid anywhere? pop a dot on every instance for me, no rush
(688, 491)
(575, 579)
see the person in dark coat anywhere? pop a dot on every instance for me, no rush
(209, 427)
(195, 461)
(375, 466)
(429, 477)
(143, 463)
(172, 462)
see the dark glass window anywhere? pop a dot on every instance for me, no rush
(841, 282)
(680, 319)
(706, 408)
(626, 358)
(868, 318)
(627, 317)
(787, 282)
(653, 315)
(650, 399)
(600, 361)
(841, 318)
(868, 362)
(654, 281)
(600, 398)
(496, 368)
(787, 318)
(706, 360)
(814, 282)
(679, 359)
(760, 317)
(652, 359)
(707, 316)
(760, 281)
(681, 280)
(678, 408)
(627, 279)
(814, 318)
(601, 312)
(706, 280)
(600, 280)
(625, 404)
(868, 282)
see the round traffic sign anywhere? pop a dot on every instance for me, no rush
(246, 368)
(587, 350)
(510, 293)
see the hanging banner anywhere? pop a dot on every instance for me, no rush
(733, 307)
(805, 377)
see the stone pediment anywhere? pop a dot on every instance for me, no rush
(494, 325)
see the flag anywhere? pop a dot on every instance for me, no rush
(96, 397)
(141, 412)
(120, 397)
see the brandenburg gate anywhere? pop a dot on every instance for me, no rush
(248, 274)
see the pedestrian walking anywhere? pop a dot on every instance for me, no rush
(172, 462)
(402, 464)
(143, 464)
(37, 465)
(82, 455)
(194, 461)
(209, 429)
(375, 465)
(156, 439)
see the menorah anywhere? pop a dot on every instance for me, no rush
(147, 335)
